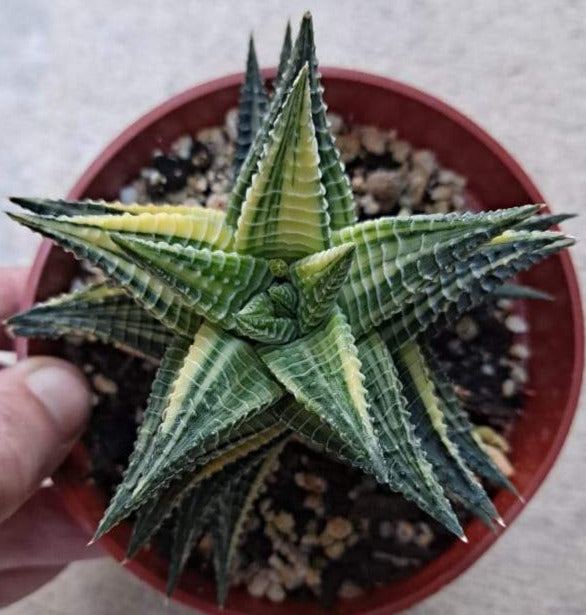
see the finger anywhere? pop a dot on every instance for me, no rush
(44, 404)
(12, 284)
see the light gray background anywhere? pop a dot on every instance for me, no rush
(73, 74)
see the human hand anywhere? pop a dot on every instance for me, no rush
(44, 405)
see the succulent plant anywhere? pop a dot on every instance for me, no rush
(284, 317)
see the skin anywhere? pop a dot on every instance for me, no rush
(38, 427)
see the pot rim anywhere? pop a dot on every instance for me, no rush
(458, 558)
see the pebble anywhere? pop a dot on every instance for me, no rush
(349, 146)
(104, 385)
(284, 522)
(441, 193)
(310, 482)
(373, 140)
(423, 535)
(275, 593)
(128, 194)
(516, 324)
(386, 185)
(339, 528)
(400, 150)
(519, 374)
(217, 201)
(231, 124)
(405, 531)
(520, 351)
(349, 590)
(335, 550)
(467, 329)
(509, 388)
(259, 584)
(182, 147)
(336, 123)
(425, 160)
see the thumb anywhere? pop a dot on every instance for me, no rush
(44, 405)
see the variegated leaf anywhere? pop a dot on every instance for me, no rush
(219, 386)
(396, 257)
(260, 321)
(408, 470)
(471, 282)
(427, 417)
(233, 506)
(214, 284)
(318, 278)
(90, 238)
(251, 108)
(285, 212)
(460, 429)
(339, 197)
(153, 513)
(285, 299)
(97, 312)
(543, 222)
(322, 371)
(284, 57)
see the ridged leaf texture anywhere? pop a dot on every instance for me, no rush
(284, 56)
(251, 109)
(97, 312)
(285, 212)
(318, 278)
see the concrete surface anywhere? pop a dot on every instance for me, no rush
(74, 73)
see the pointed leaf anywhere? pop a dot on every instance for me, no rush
(430, 427)
(299, 57)
(460, 429)
(408, 470)
(543, 222)
(517, 291)
(285, 212)
(98, 312)
(233, 505)
(318, 278)
(251, 109)
(443, 302)
(220, 385)
(284, 56)
(214, 284)
(259, 321)
(396, 257)
(285, 299)
(322, 371)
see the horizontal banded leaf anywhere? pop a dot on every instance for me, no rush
(322, 371)
(221, 384)
(153, 513)
(396, 257)
(471, 282)
(233, 506)
(97, 247)
(285, 299)
(285, 212)
(259, 320)
(99, 312)
(408, 470)
(299, 57)
(215, 284)
(429, 421)
(460, 429)
(252, 107)
(318, 278)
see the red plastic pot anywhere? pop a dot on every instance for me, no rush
(495, 180)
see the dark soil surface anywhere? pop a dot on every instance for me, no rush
(320, 529)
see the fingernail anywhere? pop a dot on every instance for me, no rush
(64, 394)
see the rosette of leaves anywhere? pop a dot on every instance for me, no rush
(283, 317)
